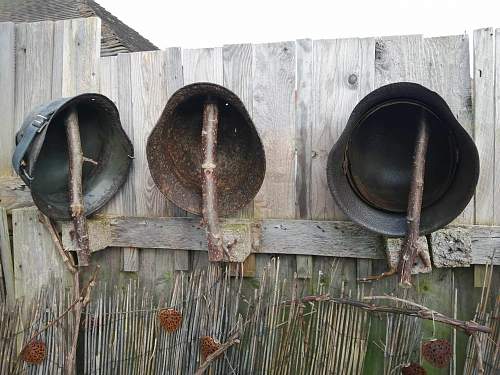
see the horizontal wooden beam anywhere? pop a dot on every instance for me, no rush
(296, 237)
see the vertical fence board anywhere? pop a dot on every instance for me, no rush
(449, 75)
(34, 57)
(447, 60)
(148, 98)
(303, 122)
(6, 257)
(274, 117)
(175, 81)
(36, 260)
(237, 72)
(7, 88)
(484, 121)
(202, 65)
(336, 62)
(496, 147)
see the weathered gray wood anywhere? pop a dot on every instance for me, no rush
(303, 126)
(274, 117)
(484, 122)
(34, 66)
(14, 193)
(7, 84)
(36, 259)
(202, 65)
(496, 192)
(175, 81)
(449, 75)
(77, 46)
(6, 256)
(238, 75)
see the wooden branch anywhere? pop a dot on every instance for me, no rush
(234, 339)
(77, 207)
(419, 311)
(215, 240)
(479, 360)
(409, 249)
(66, 257)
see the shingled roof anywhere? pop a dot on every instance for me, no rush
(116, 37)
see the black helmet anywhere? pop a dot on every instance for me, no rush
(175, 155)
(370, 167)
(41, 154)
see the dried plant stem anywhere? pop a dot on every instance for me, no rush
(216, 248)
(66, 257)
(75, 187)
(410, 248)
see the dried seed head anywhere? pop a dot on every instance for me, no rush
(413, 369)
(170, 319)
(208, 346)
(437, 352)
(34, 352)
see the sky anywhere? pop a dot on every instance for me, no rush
(212, 23)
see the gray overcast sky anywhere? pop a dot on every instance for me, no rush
(209, 23)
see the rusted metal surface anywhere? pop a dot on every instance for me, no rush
(370, 167)
(175, 154)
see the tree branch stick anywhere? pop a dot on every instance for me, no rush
(216, 248)
(68, 261)
(409, 249)
(75, 187)
(421, 312)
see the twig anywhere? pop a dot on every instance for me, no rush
(75, 187)
(234, 339)
(65, 312)
(68, 261)
(90, 160)
(420, 312)
(409, 249)
(215, 240)
(479, 361)
(383, 275)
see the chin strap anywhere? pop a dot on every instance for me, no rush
(28, 135)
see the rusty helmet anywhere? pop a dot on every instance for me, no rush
(175, 155)
(41, 154)
(369, 169)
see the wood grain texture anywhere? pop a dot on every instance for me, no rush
(399, 58)
(303, 126)
(484, 122)
(34, 67)
(175, 80)
(337, 63)
(6, 257)
(448, 71)
(7, 88)
(274, 118)
(36, 260)
(496, 156)
(14, 193)
(77, 46)
(202, 65)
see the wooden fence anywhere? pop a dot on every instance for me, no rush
(300, 95)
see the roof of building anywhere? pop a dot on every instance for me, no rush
(116, 37)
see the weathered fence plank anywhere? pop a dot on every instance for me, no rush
(36, 260)
(274, 117)
(484, 122)
(6, 257)
(7, 88)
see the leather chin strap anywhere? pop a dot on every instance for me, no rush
(29, 134)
